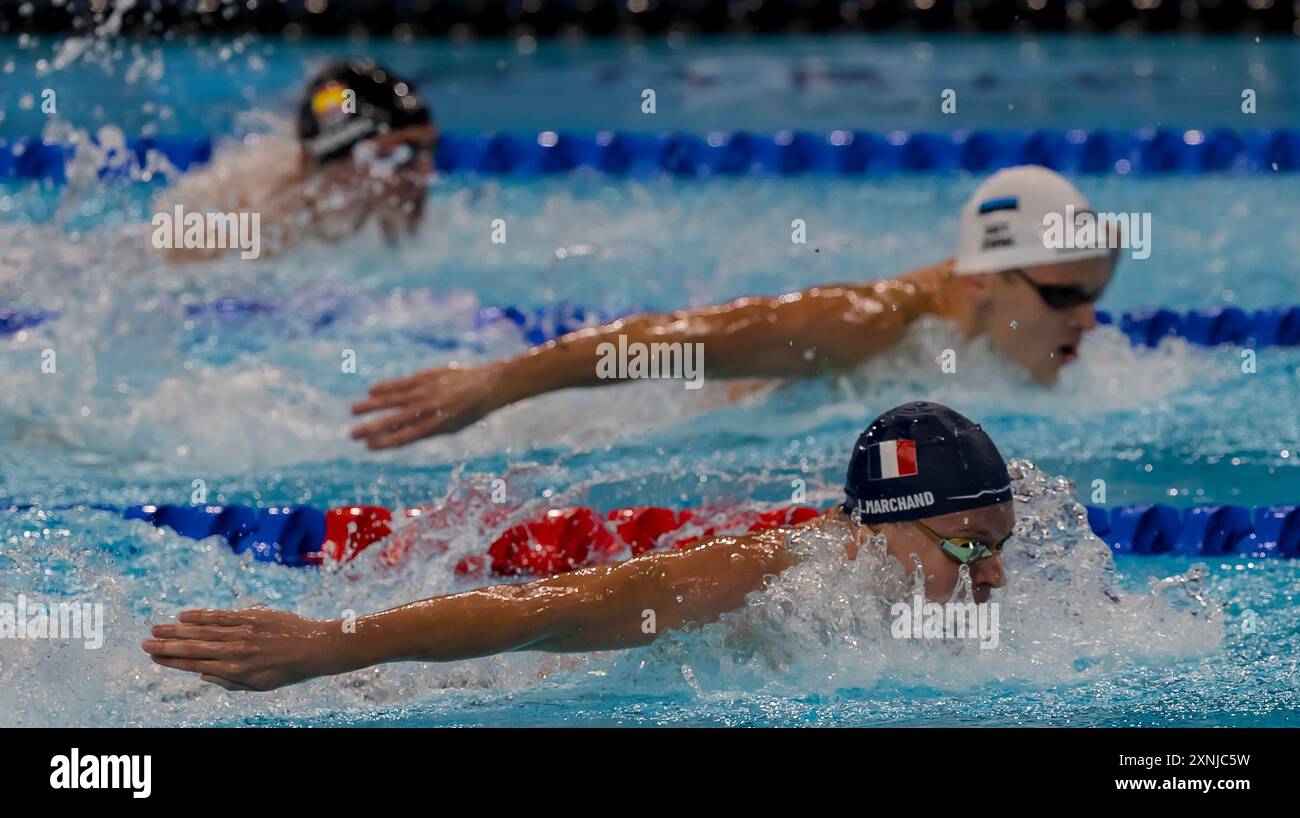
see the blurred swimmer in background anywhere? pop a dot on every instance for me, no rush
(364, 151)
(1032, 300)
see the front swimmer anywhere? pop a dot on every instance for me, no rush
(924, 476)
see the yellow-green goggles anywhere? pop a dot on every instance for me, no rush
(962, 550)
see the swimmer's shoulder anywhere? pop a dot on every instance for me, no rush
(912, 294)
(934, 275)
(832, 528)
(832, 519)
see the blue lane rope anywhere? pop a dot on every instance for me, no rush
(1269, 531)
(12, 321)
(289, 534)
(786, 153)
(1209, 327)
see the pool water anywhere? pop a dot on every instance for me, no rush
(878, 82)
(149, 397)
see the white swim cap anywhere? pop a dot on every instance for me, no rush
(1002, 223)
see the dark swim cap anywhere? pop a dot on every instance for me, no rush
(923, 460)
(331, 120)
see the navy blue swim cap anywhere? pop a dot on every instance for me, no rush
(923, 460)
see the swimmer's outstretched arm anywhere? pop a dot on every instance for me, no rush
(601, 608)
(818, 330)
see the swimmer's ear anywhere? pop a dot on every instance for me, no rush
(979, 287)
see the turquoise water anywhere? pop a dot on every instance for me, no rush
(148, 399)
(879, 82)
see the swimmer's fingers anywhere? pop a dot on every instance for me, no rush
(411, 432)
(211, 617)
(194, 649)
(222, 669)
(210, 633)
(387, 400)
(226, 683)
(399, 423)
(371, 429)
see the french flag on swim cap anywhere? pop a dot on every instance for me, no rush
(892, 458)
(963, 469)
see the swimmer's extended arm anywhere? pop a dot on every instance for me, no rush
(600, 608)
(805, 333)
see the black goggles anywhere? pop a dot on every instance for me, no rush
(1060, 297)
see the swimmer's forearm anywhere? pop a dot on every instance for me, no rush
(468, 625)
(600, 608)
(486, 622)
(799, 334)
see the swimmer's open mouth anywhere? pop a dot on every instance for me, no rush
(1067, 353)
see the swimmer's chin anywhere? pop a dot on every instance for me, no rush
(1044, 370)
(1045, 376)
(1050, 372)
(1064, 355)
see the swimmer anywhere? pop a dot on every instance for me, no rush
(922, 475)
(364, 150)
(1033, 302)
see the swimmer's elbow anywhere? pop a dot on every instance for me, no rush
(847, 329)
(617, 606)
(697, 586)
(588, 613)
(632, 603)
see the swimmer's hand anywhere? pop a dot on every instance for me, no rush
(249, 650)
(434, 402)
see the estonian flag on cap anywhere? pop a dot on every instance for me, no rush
(1002, 203)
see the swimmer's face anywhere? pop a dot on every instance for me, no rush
(395, 197)
(1025, 327)
(420, 140)
(991, 524)
(403, 208)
